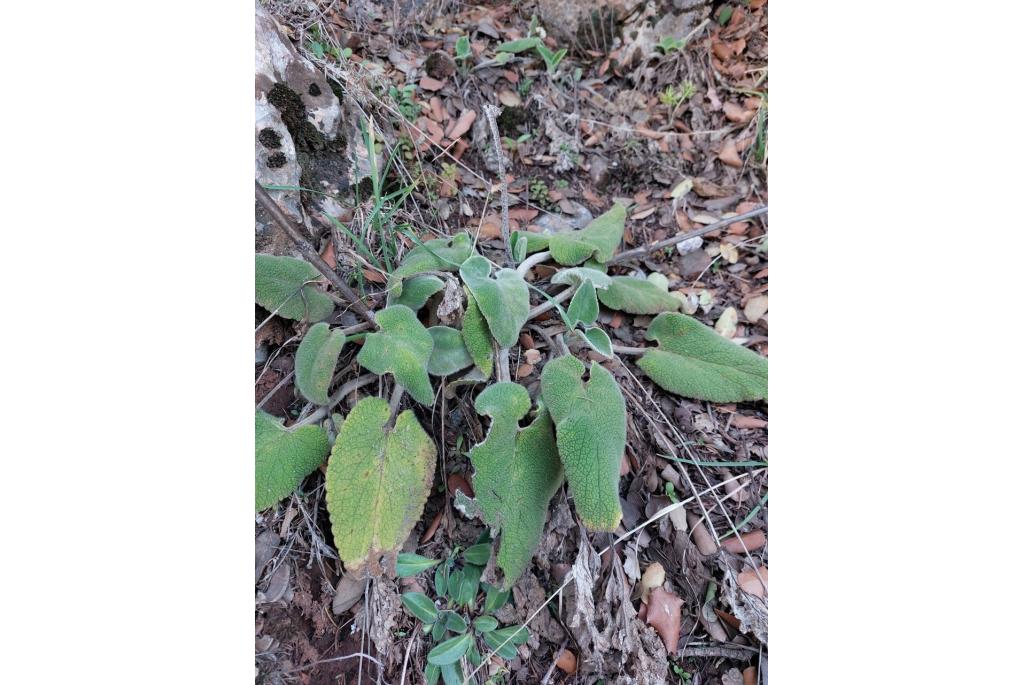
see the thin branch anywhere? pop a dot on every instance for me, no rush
(674, 240)
(311, 255)
(490, 112)
(336, 399)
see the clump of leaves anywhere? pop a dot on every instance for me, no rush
(403, 97)
(382, 464)
(670, 44)
(458, 623)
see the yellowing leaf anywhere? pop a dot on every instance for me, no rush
(726, 324)
(401, 347)
(378, 480)
(590, 425)
(284, 285)
(637, 296)
(315, 361)
(692, 360)
(503, 300)
(516, 474)
(284, 457)
(477, 336)
(598, 239)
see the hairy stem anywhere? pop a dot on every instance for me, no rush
(532, 261)
(622, 349)
(490, 112)
(550, 304)
(336, 399)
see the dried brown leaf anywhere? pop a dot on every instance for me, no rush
(664, 613)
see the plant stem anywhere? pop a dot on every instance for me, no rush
(622, 349)
(674, 240)
(532, 261)
(396, 401)
(311, 255)
(336, 399)
(550, 304)
(503, 371)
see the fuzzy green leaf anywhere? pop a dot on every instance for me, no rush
(284, 457)
(409, 564)
(485, 624)
(495, 598)
(516, 474)
(637, 296)
(477, 336)
(693, 360)
(590, 425)
(599, 340)
(583, 306)
(456, 623)
(521, 45)
(416, 291)
(315, 361)
(477, 554)
(450, 651)
(420, 606)
(598, 239)
(442, 254)
(503, 300)
(377, 482)
(402, 348)
(450, 354)
(281, 286)
(580, 274)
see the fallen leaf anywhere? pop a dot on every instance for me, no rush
(664, 615)
(509, 98)
(754, 540)
(349, 591)
(374, 276)
(532, 356)
(428, 534)
(726, 324)
(736, 113)
(431, 84)
(654, 577)
(457, 482)
(729, 155)
(464, 123)
(741, 421)
(706, 544)
(436, 110)
(524, 370)
(748, 581)
(756, 308)
(566, 662)
(750, 672)
(729, 252)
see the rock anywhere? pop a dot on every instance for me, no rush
(661, 19)
(584, 26)
(299, 136)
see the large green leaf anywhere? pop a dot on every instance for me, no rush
(401, 347)
(637, 296)
(598, 239)
(442, 254)
(516, 474)
(450, 354)
(281, 286)
(377, 482)
(416, 291)
(503, 300)
(692, 360)
(315, 361)
(284, 457)
(450, 651)
(477, 336)
(590, 425)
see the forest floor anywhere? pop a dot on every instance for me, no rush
(676, 133)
